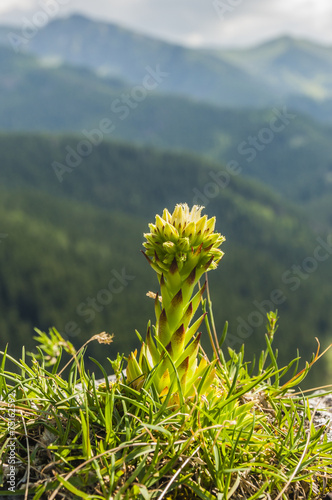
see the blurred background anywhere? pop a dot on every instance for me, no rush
(111, 111)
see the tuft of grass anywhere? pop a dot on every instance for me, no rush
(71, 437)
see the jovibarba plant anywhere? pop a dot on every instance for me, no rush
(246, 435)
(180, 247)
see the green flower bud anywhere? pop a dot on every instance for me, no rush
(182, 234)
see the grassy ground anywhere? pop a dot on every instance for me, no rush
(249, 440)
(177, 425)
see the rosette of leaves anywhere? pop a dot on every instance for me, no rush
(180, 247)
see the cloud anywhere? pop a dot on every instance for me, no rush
(19, 4)
(198, 22)
(257, 20)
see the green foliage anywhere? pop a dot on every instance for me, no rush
(298, 72)
(291, 66)
(56, 257)
(38, 95)
(294, 162)
(78, 100)
(81, 439)
(61, 91)
(111, 50)
(51, 345)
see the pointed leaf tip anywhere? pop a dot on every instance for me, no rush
(191, 278)
(199, 249)
(208, 264)
(178, 337)
(169, 349)
(174, 267)
(177, 299)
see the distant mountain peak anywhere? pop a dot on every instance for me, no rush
(282, 39)
(81, 21)
(77, 19)
(287, 41)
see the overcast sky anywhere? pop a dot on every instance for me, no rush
(196, 22)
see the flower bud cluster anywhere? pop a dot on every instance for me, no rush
(185, 236)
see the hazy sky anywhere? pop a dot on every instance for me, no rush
(195, 22)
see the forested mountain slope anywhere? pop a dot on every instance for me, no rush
(71, 252)
(280, 71)
(284, 69)
(288, 151)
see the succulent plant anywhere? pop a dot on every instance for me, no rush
(180, 247)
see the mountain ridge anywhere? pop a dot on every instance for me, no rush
(283, 70)
(265, 143)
